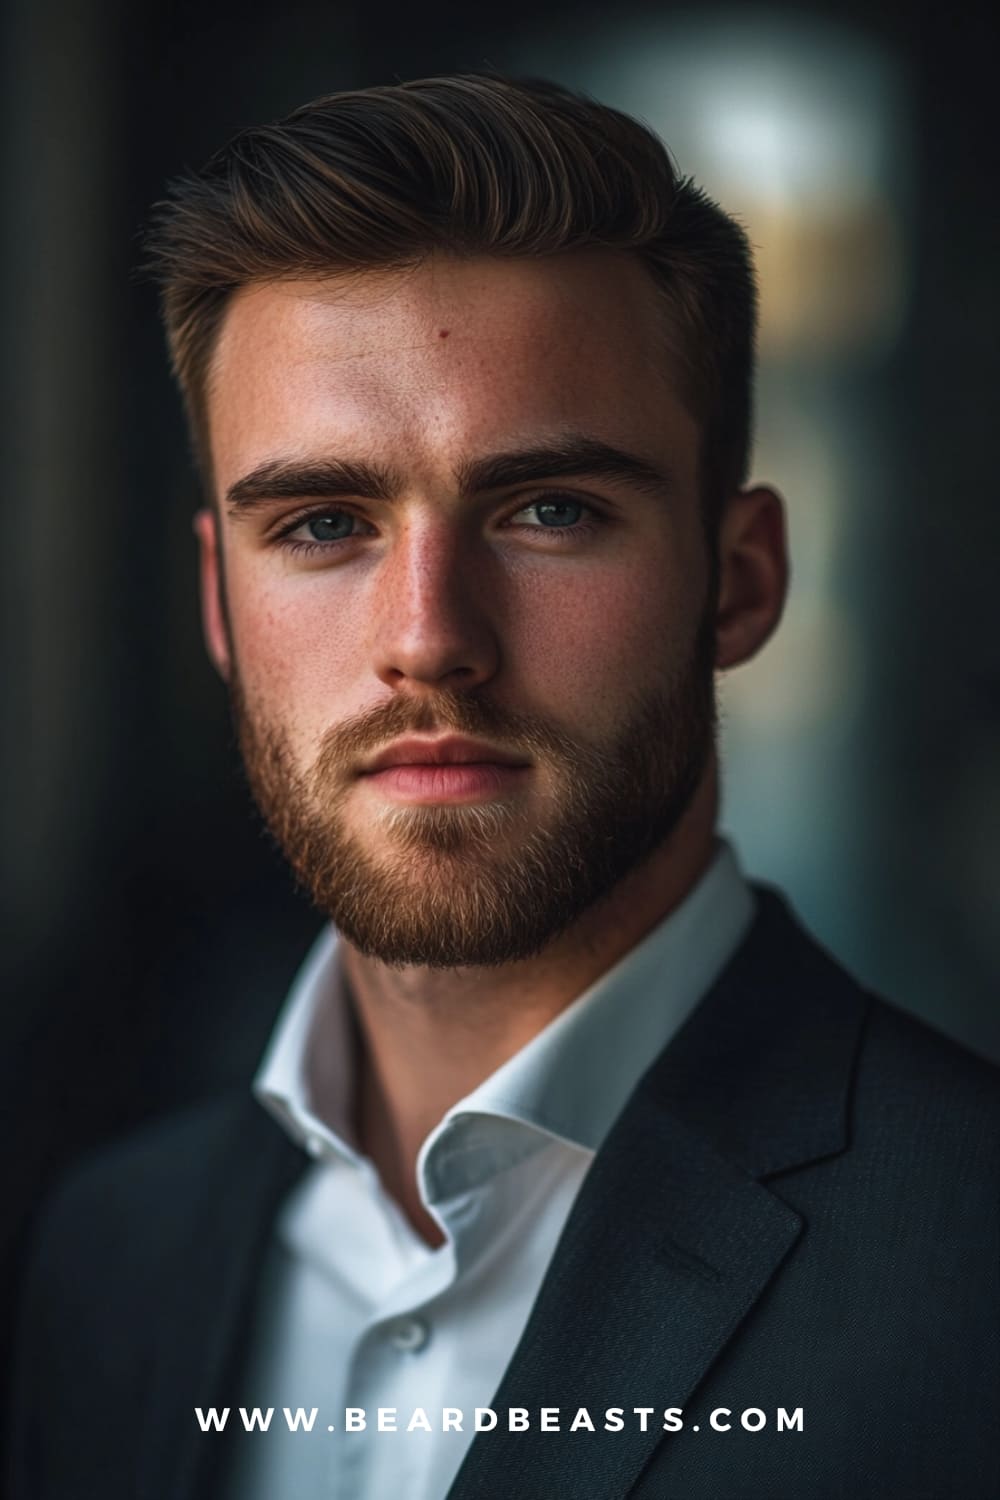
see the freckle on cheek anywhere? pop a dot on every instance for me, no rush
(443, 333)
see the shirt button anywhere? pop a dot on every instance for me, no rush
(410, 1335)
(314, 1145)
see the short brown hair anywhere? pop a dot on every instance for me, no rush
(470, 164)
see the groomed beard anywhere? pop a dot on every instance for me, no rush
(475, 885)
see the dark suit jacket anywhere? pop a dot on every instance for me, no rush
(796, 1208)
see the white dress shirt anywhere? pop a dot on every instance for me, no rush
(356, 1310)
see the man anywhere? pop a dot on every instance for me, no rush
(581, 1170)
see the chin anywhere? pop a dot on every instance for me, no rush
(459, 828)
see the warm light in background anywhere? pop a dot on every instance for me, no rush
(797, 129)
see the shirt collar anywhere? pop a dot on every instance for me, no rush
(570, 1081)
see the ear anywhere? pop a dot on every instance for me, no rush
(213, 615)
(753, 574)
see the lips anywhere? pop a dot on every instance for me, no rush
(450, 751)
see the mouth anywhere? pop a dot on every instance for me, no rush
(444, 770)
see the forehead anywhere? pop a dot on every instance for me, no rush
(443, 359)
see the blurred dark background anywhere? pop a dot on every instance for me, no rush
(149, 931)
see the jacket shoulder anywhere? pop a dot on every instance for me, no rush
(902, 1063)
(134, 1249)
(912, 1078)
(900, 1035)
(126, 1220)
(137, 1181)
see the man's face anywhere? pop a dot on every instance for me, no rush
(469, 507)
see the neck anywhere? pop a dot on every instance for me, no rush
(428, 1037)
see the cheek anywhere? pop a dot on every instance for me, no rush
(594, 638)
(298, 651)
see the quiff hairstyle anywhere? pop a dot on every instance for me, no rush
(468, 165)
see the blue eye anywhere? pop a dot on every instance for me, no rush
(333, 527)
(324, 529)
(557, 513)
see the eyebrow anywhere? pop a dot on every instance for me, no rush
(575, 456)
(324, 479)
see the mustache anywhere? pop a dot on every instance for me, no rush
(481, 718)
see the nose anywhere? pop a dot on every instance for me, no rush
(434, 611)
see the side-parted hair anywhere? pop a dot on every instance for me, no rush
(470, 165)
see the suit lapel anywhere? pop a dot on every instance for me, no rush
(673, 1236)
(203, 1327)
(643, 1292)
